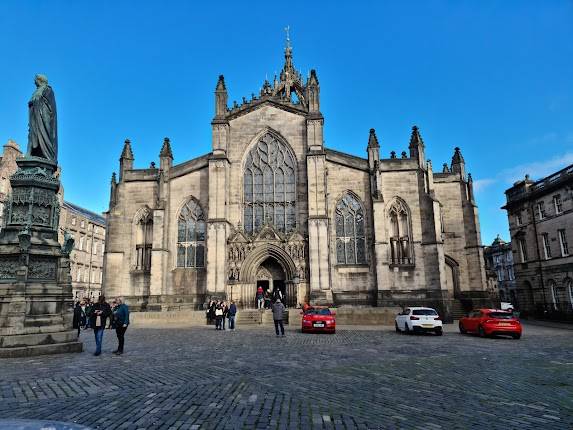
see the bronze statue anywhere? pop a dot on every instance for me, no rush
(43, 128)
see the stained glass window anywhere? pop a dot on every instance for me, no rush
(400, 238)
(191, 236)
(350, 240)
(144, 242)
(269, 186)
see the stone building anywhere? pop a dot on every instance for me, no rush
(86, 259)
(88, 229)
(271, 206)
(540, 215)
(499, 262)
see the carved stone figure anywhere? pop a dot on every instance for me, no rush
(43, 130)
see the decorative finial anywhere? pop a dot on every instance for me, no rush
(287, 31)
(392, 154)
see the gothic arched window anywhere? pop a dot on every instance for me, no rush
(350, 237)
(269, 186)
(144, 241)
(191, 235)
(400, 235)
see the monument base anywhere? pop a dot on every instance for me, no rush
(30, 351)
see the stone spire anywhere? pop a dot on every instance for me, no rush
(126, 159)
(458, 163)
(165, 156)
(127, 153)
(313, 92)
(166, 149)
(221, 97)
(290, 79)
(373, 140)
(417, 146)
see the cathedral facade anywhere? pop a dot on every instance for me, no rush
(270, 206)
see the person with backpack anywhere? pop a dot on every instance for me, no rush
(218, 316)
(121, 321)
(278, 315)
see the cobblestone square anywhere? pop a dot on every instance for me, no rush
(361, 377)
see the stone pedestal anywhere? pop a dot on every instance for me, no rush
(35, 284)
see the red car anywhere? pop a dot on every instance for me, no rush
(318, 320)
(491, 322)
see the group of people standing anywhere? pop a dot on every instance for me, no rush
(101, 315)
(218, 311)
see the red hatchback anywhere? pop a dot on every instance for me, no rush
(491, 322)
(318, 320)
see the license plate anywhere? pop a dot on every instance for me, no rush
(504, 324)
(428, 325)
(319, 324)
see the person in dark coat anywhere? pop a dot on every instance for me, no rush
(278, 314)
(79, 317)
(232, 315)
(121, 321)
(99, 315)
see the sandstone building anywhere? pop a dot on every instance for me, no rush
(540, 215)
(499, 262)
(88, 229)
(271, 206)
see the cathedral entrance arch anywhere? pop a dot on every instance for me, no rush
(272, 269)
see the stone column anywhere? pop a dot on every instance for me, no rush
(217, 226)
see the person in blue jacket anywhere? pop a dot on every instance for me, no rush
(121, 320)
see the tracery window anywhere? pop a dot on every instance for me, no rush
(400, 235)
(144, 243)
(269, 186)
(350, 237)
(191, 236)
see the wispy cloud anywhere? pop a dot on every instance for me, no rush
(481, 184)
(535, 169)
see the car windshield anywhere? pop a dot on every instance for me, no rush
(500, 315)
(318, 311)
(424, 312)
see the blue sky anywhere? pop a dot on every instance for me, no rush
(493, 77)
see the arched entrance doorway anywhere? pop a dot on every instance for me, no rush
(271, 268)
(271, 278)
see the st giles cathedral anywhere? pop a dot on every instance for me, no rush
(270, 206)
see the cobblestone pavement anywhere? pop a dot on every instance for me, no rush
(198, 378)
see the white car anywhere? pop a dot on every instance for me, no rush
(418, 319)
(506, 306)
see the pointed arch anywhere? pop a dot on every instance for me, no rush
(269, 184)
(349, 216)
(400, 232)
(191, 234)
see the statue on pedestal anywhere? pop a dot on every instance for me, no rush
(43, 129)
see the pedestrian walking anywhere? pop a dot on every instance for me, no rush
(225, 313)
(278, 314)
(232, 315)
(99, 315)
(218, 316)
(260, 297)
(79, 317)
(121, 321)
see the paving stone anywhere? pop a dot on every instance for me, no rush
(197, 378)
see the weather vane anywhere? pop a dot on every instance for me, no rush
(287, 29)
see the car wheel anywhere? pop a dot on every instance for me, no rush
(462, 328)
(516, 336)
(439, 331)
(396, 326)
(481, 331)
(407, 329)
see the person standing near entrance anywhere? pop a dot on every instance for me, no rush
(260, 297)
(232, 315)
(100, 312)
(278, 314)
(121, 321)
